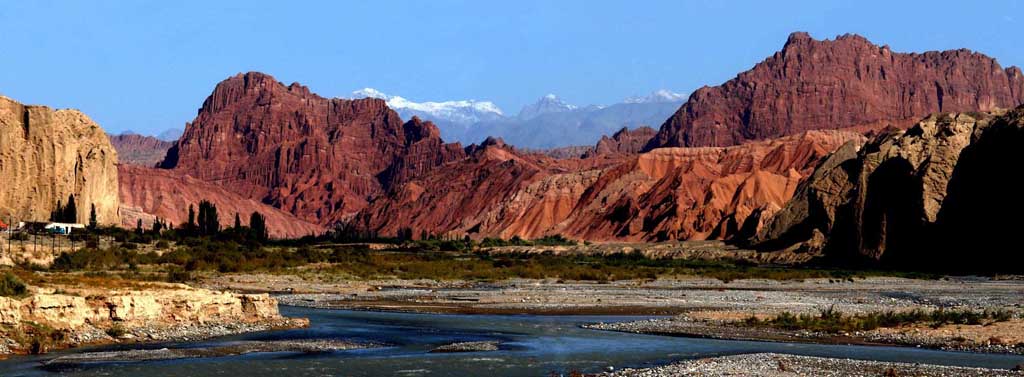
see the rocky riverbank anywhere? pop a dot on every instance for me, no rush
(1003, 337)
(776, 365)
(699, 307)
(60, 316)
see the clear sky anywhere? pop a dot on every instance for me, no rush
(147, 66)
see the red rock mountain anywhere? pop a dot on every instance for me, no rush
(320, 159)
(729, 159)
(668, 193)
(139, 150)
(834, 84)
(148, 193)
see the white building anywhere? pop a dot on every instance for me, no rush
(63, 228)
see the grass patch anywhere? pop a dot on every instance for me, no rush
(832, 321)
(430, 259)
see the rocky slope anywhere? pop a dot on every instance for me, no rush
(320, 159)
(155, 311)
(148, 193)
(833, 84)
(141, 150)
(915, 197)
(669, 193)
(47, 155)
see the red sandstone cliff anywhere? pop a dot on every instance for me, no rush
(148, 193)
(669, 193)
(833, 84)
(320, 159)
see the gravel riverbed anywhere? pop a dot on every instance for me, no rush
(773, 365)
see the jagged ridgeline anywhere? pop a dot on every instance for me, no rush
(47, 156)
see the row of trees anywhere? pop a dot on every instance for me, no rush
(207, 222)
(68, 213)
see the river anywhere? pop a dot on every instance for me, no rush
(530, 346)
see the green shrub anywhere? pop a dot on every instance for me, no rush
(116, 331)
(12, 286)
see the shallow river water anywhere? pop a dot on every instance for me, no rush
(531, 346)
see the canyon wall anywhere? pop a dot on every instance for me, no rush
(841, 83)
(47, 155)
(943, 190)
(148, 193)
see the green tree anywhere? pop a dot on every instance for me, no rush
(58, 212)
(238, 222)
(138, 226)
(93, 223)
(191, 218)
(70, 211)
(258, 226)
(158, 226)
(209, 222)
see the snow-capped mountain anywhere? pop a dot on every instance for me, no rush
(462, 113)
(548, 122)
(658, 96)
(545, 105)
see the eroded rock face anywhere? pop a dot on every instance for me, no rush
(320, 159)
(907, 197)
(669, 193)
(148, 193)
(85, 315)
(137, 308)
(841, 83)
(140, 150)
(698, 193)
(47, 155)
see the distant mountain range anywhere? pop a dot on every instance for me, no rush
(549, 122)
(171, 134)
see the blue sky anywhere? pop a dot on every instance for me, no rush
(147, 66)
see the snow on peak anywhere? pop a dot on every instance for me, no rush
(549, 103)
(370, 93)
(658, 96)
(461, 111)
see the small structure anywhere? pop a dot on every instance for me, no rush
(63, 228)
(2, 225)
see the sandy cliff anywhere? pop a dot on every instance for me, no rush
(47, 155)
(917, 197)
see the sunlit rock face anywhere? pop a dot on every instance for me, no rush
(940, 194)
(47, 155)
(833, 84)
